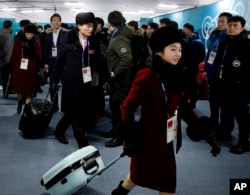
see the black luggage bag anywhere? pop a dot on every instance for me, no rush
(35, 118)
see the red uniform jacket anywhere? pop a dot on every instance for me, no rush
(24, 81)
(154, 166)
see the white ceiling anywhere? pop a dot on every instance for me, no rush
(100, 8)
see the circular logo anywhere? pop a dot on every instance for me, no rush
(236, 63)
(123, 50)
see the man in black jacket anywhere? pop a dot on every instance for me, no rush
(232, 74)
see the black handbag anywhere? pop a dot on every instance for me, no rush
(43, 77)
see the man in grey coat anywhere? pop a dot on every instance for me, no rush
(5, 52)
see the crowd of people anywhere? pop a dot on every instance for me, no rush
(153, 67)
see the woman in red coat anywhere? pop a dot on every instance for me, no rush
(24, 58)
(159, 90)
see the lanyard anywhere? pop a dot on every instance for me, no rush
(215, 47)
(88, 45)
(163, 89)
(221, 67)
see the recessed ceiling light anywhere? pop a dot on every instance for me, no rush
(78, 10)
(131, 12)
(9, 9)
(165, 5)
(38, 10)
(73, 3)
(26, 11)
(146, 11)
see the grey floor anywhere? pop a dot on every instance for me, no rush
(23, 162)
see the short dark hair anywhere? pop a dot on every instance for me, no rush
(39, 27)
(7, 24)
(55, 15)
(46, 26)
(99, 21)
(144, 26)
(165, 21)
(189, 26)
(116, 18)
(24, 22)
(174, 24)
(134, 24)
(226, 14)
(237, 19)
(153, 25)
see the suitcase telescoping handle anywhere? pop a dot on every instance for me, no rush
(100, 172)
(57, 89)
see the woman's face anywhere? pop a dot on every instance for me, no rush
(29, 36)
(171, 54)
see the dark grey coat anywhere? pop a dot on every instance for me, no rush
(76, 96)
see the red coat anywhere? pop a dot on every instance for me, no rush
(154, 166)
(24, 81)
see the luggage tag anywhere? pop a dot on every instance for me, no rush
(211, 57)
(54, 51)
(86, 73)
(171, 128)
(24, 64)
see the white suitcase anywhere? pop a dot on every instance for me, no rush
(73, 172)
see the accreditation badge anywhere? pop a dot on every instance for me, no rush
(24, 64)
(211, 57)
(171, 128)
(86, 74)
(54, 51)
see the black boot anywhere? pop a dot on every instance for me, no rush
(19, 107)
(120, 190)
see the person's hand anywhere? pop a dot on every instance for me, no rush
(46, 67)
(112, 74)
(204, 75)
(128, 149)
(133, 136)
(54, 86)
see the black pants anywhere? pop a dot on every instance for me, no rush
(115, 102)
(214, 102)
(77, 125)
(5, 78)
(234, 106)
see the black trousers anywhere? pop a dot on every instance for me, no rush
(116, 99)
(235, 106)
(214, 102)
(5, 77)
(77, 123)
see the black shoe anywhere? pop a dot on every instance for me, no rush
(216, 147)
(120, 190)
(240, 148)
(61, 138)
(19, 107)
(114, 142)
(108, 134)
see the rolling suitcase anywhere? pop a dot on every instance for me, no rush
(35, 118)
(74, 171)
